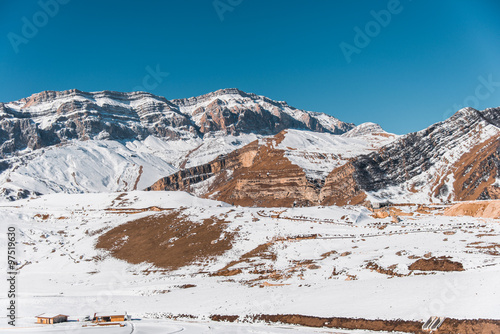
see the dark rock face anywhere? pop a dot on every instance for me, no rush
(12, 195)
(186, 177)
(17, 134)
(50, 118)
(465, 147)
(254, 113)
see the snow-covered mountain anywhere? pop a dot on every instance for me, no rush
(74, 141)
(218, 253)
(238, 147)
(51, 118)
(457, 159)
(288, 169)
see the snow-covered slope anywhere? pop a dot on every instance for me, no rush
(108, 165)
(319, 153)
(319, 261)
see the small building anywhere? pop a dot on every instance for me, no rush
(109, 317)
(380, 205)
(46, 318)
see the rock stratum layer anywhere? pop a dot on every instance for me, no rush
(255, 175)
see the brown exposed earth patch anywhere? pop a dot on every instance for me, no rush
(167, 240)
(486, 248)
(436, 264)
(483, 209)
(424, 210)
(477, 170)
(341, 188)
(262, 251)
(227, 272)
(141, 170)
(381, 270)
(449, 326)
(134, 211)
(474, 326)
(186, 158)
(253, 261)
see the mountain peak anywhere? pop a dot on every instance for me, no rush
(363, 129)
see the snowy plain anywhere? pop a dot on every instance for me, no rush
(320, 265)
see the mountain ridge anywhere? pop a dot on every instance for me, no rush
(239, 147)
(46, 139)
(51, 117)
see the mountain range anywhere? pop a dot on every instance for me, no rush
(240, 148)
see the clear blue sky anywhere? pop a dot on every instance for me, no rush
(413, 71)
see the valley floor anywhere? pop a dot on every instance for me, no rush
(87, 253)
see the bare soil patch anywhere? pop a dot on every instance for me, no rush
(436, 264)
(381, 270)
(167, 240)
(450, 326)
(484, 209)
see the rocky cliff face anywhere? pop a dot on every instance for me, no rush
(255, 175)
(457, 159)
(51, 118)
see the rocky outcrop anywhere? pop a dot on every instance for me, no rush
(251, 112)
(457, 159)
(255, 175)
(365, 129)
(185, 178)
(341, 187)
